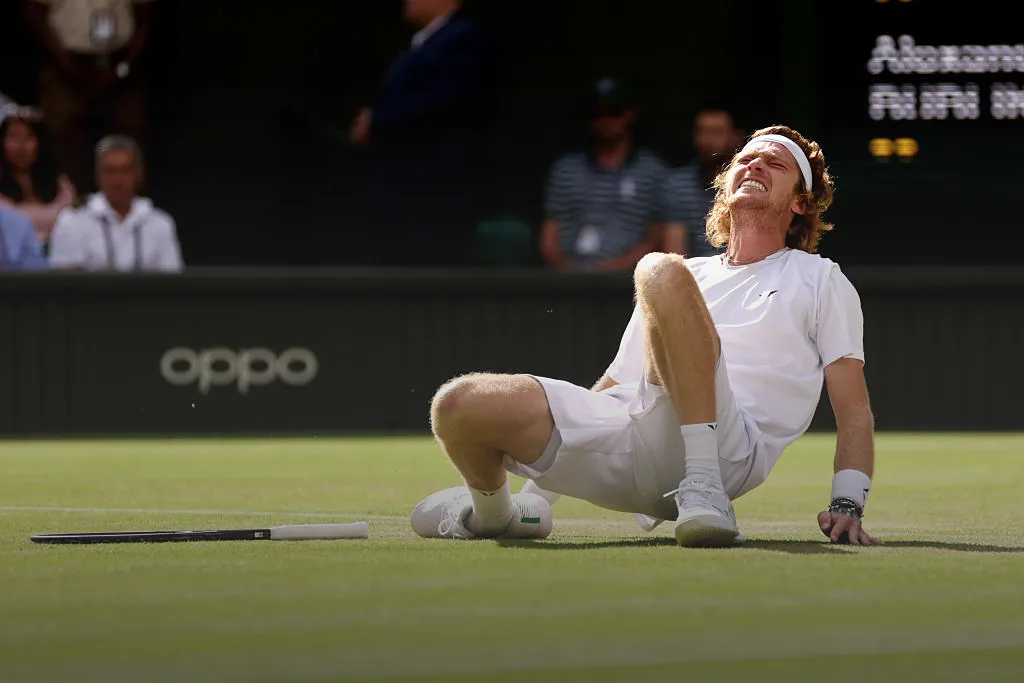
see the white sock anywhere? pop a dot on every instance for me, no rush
(492, 511)
(701, 442)
(531, 487)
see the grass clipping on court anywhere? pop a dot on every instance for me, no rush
(599, 601)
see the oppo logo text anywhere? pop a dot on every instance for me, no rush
(242, 368)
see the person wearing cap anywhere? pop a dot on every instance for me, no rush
(720, 368)
(689, 191)
(601, 205)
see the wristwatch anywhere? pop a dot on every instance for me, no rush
(846, 506)
(122, 70)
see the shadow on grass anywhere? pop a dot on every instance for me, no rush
(795, 547)
(806, 547)
(960, 547)
(791, 547)
(587, 545)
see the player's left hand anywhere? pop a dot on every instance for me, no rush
(842, 528)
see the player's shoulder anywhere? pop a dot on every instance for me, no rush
(819, 269)
(811, 262)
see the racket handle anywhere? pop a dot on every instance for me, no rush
(314, 532)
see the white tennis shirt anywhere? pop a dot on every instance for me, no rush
(781, 321)
(94, 237)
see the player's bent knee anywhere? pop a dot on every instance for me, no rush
(472, 397)
(649, 263)
(657, 271)
(489, 407)
(657, 265)
(452, 397)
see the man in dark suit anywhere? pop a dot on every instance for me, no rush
(428, 132)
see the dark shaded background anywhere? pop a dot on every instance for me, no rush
(251, 104)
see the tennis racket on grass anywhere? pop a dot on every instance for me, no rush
(291, 532)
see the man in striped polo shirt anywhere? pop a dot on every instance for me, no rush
(688, 194)
(602, 206)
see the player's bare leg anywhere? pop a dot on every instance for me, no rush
(683, 351)
(477, 419)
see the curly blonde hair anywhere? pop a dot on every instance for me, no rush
(806, 230)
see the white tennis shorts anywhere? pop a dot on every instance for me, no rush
(622, 449)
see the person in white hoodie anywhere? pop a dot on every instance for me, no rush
(116, 230)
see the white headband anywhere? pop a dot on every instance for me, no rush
(794, 149)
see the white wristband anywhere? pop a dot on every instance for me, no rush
(852, 484)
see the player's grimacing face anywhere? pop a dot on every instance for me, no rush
(763, 174)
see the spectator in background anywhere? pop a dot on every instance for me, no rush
(602, 206)
(19, 248)
(116, 230)
(29, 179)
(90, 85)
(688, 192)
(427, 132)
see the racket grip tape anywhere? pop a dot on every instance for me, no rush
(315, 532)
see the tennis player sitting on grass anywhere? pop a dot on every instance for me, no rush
(719, 369)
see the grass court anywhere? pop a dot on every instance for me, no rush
(942, 601)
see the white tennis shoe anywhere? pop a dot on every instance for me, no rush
(443, 515)
(706, 516)
(646, 522)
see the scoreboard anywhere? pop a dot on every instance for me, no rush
(921, 116)
(902, 59)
